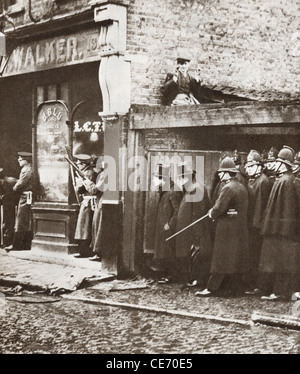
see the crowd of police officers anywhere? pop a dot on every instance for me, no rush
(246, 238)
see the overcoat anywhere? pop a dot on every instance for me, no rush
(23, 185)
(297, 185)
(188, 212)
(194, 245)
(230, 252)
(261, 187)
(83, 229)
(167, 210)
(94, 188)
(9, 202)
(282, 208)
(280, 250)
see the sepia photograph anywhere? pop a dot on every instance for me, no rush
(149, 179)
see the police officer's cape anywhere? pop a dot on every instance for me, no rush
(282, 213)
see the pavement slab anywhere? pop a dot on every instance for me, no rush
(95, 285)
(44, 275)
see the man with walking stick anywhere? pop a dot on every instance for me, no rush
(193, 247)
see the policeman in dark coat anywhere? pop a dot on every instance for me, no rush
(181, 88)
(193, 246)
(217, 185)
(261, 186)
(230, 255)
(23, 187)
(166, 217)
(270, 164)
(296, 172)
(83, 231)
(9, 201)
(280, 257)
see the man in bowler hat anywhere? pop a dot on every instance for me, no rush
(193, 246)
(166, 216)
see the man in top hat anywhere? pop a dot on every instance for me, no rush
(241, 176)
(261, 187)
(270, 164)
(230, 254)
(280, 258)
(181, 88)
(23, 187)
(9, 201)
(83, 231)
(193, 246)
(166, 216)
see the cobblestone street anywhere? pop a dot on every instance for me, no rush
(70, 326)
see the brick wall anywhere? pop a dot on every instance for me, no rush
(250, 44)
(247, 43)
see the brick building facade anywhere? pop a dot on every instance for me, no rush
(117, 57)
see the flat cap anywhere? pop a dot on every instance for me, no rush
(83, 157)
(25, 154)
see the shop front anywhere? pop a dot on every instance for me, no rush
(60, 94)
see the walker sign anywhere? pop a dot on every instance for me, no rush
(56, 52)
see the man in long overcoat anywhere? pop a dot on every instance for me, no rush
(166, 217)
(23, 187)
(95, 189)
(230, 255)
(9, 201)
(280, 257)
(270, 164)
(261, 187)
(193, 246)
(83, 231)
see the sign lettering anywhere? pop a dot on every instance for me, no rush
(59, 51)
(95, 126)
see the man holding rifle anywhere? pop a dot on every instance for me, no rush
(84, 172)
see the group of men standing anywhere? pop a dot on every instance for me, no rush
(17, 223)
(249, 237)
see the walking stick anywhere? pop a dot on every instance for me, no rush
(185, 228)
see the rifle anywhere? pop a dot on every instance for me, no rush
(185, 228)
(79, 173)
(68, 149)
